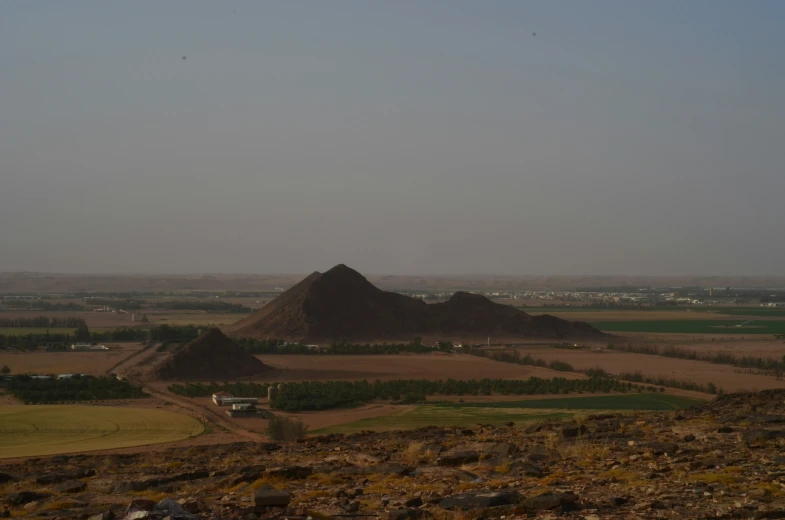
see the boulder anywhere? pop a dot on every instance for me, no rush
(56, 478)
(23, 497)
(381, 469)
(414, 502)
(458, 457)
(71, 486)
(525, 468)
(551, 501)
(757, 436)
(441, 472)
(661, 448)
(291, 472)
(271, 497)
(406, 514)
(571, 431)
(480, 499)
(170, 506)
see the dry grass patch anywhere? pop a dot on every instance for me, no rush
(237, 487)
(58, 505)
(371, 504)
(273, 482)
(412, 486)
(325, 479)
(584, 450)
(503, 468)
(150, 494)
(416, 452)
(311, 494)
(488, 484)
(383, 485)
(621, 475)
(720, 477)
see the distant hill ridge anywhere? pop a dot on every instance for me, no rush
(211, 356)
(341, 304)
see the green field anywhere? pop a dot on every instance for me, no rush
(27, 431)
(695, 326)
(748, 311)
(471, 414)
(730, 311)
(602, 402)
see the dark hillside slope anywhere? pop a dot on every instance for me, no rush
(342, 305)
(475, 315)
(211, 356)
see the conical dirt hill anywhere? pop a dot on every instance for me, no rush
(211, 356)
(337, 304)
(341, 304)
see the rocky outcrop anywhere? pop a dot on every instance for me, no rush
(661, 465)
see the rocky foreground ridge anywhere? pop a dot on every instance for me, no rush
(725, 459)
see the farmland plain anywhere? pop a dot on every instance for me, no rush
(716, 326)
(81, 362)
(27, 431)
(473, 413)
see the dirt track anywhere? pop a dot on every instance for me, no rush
(130, 367)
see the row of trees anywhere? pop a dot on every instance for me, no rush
(776, 366)
(275, 346)
(41, 322)
(41, 305)
(76, 388)
(322, 395)
(209, 306)
(207, 389)
(514, 356)
(82, 334)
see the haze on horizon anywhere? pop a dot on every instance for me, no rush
(446, 137)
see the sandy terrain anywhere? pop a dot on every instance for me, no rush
(729, 378)
(415, 366)
(93, 363)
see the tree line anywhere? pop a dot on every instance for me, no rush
(209, 306)
(41, 322)
(276, 346)
(61, 340)
(323, 395)
(514, 356)
(76, 388)
(772, 365)
(40, 305)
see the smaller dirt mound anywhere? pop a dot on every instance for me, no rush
(211, 356)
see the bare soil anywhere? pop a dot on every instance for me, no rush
(413, 366)
(92, 363)
(729, 378)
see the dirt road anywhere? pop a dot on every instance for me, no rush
(124, 369)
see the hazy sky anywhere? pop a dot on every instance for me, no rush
(406, 137)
